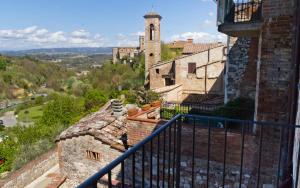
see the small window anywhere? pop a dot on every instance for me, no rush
(169, 82)
(192, 68)
(151, 55)
(93, 155)
(157, 71)
(151, 32)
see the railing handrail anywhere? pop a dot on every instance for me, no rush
(264, 123)
(204, 105)
(127, 154)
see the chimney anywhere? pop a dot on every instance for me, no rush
(117, 107)
(191, 41)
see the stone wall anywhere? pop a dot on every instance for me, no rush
(241, 68)
(30, 171)
(73, 161)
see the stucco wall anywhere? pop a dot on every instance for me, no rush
(156, 79)
(212, 82)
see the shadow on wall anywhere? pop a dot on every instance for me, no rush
(213, 89)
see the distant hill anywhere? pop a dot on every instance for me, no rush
(52, 51)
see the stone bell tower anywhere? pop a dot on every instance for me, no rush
(152, 41)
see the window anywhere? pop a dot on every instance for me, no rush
(169, 82)
(157, 71)
(192, 68)
(93, 155)
(152, 32)
(151, 55)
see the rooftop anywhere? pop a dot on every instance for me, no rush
(152, 15)
(190, 48)
(102, 125)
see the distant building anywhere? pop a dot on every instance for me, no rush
(130, 52)
(198, 71)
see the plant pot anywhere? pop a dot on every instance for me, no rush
(146, 107)
(133, 111)
(155, 103)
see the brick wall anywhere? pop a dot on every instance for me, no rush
(233, 160)
(276, 68)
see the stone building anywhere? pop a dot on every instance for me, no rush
(198, 71)
(90, 145)
(152, 41)
(119, 53)
(194, 74)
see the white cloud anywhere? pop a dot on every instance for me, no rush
(199, 37)
(210, 13)
(80, 33)
(129, 40)
(207, 22)
(138, 33)
(35, 37)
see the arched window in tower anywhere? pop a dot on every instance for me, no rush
(151, 32)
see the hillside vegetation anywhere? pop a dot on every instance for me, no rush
(73, 97)
(29, 74)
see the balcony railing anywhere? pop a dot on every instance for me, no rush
(238, 11)
(188, 152)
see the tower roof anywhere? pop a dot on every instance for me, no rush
(152, 15)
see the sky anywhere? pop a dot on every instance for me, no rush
(28, 24)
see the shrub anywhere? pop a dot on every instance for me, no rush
(240, 108)
(29, 152)
(62, 110)
(146, 96)
(94, 99)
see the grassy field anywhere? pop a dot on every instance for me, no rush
(31, 114)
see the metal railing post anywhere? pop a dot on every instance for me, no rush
(178, 151)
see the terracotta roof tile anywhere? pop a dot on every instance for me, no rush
(102, 125)
(190, 48)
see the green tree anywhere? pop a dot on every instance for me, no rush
(63, 110)
(94, 99)
(3, 64)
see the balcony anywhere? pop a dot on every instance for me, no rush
(240, 17)
(202, 151)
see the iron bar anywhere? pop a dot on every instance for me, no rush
(178, 153)
(208, 154)
(242, 155)
(193, 154)
(158, 151)
(123, 174)
(224, 155)
(133, 170)
(259, 155)
(109, 180)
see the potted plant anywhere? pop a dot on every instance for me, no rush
(146, 107)
(156, 103)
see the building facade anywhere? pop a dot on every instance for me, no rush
(263, 64)
(195, 74)
(127, 53)
(152, 41)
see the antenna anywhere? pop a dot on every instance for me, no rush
(152, 9)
